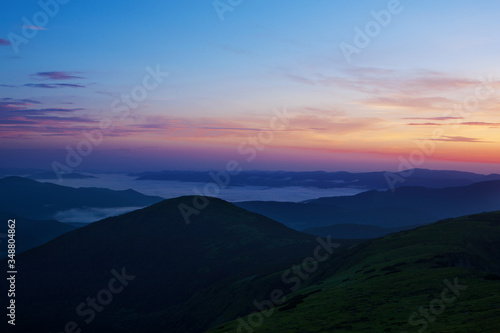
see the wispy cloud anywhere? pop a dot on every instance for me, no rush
(18, 119)
(409, 102)
(33, 27)
(467, 123)
(433, 118)
(461, 139)
(63, 119)
(57, 75)
(53, 85)
(11, 104)
(424, 124)
(24, 101)
(480, 123)
(393, 82)
(47, 110)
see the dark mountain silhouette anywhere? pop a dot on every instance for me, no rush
(172, 262)
(169, 276)
(30, 233)
(354, 231)
(442, 277)
(36, 200)
(387, 209)
(322, 179)
(452, 201)
(301, 216)
(52, 175)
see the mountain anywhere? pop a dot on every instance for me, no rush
(302, 215)
(387, 209)
(233, 270)
(32, 199)
(446, 202)
(354, 231)
(30, 233)
(442, 277)
(322, 179)
(52, 175)
(171, 262)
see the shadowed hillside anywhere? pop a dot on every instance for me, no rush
(382, 285)
(404, 207)
(148, 271)
(30, 233)
(36, 200)
(171, 262)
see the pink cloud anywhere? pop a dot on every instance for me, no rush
(461, 139)
(433, 118)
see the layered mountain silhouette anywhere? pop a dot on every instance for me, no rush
(388, 209)
(175, 266)
(30, 233)
(148, 270)
(36, 200)
(52, 175)
(443, 277)
(322, 179)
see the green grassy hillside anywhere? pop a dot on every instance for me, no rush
(379, 285)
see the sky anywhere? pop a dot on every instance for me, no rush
(121, 86)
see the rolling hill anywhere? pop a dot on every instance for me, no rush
(354, 231)
(442, 277)
(36, 200)
(231, 269)
(172, 263)
(30, 233)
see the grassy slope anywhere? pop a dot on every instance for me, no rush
(376, 286)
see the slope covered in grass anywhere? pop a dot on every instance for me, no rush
(379, 285)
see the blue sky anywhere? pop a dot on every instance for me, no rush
(226, 77)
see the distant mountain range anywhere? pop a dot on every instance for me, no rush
(322, 179)
(39, 201)
(40, 174)
(386, 209)
(52, 175)
(30, 233)
(149, 271)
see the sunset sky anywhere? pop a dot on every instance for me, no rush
(424, 87)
